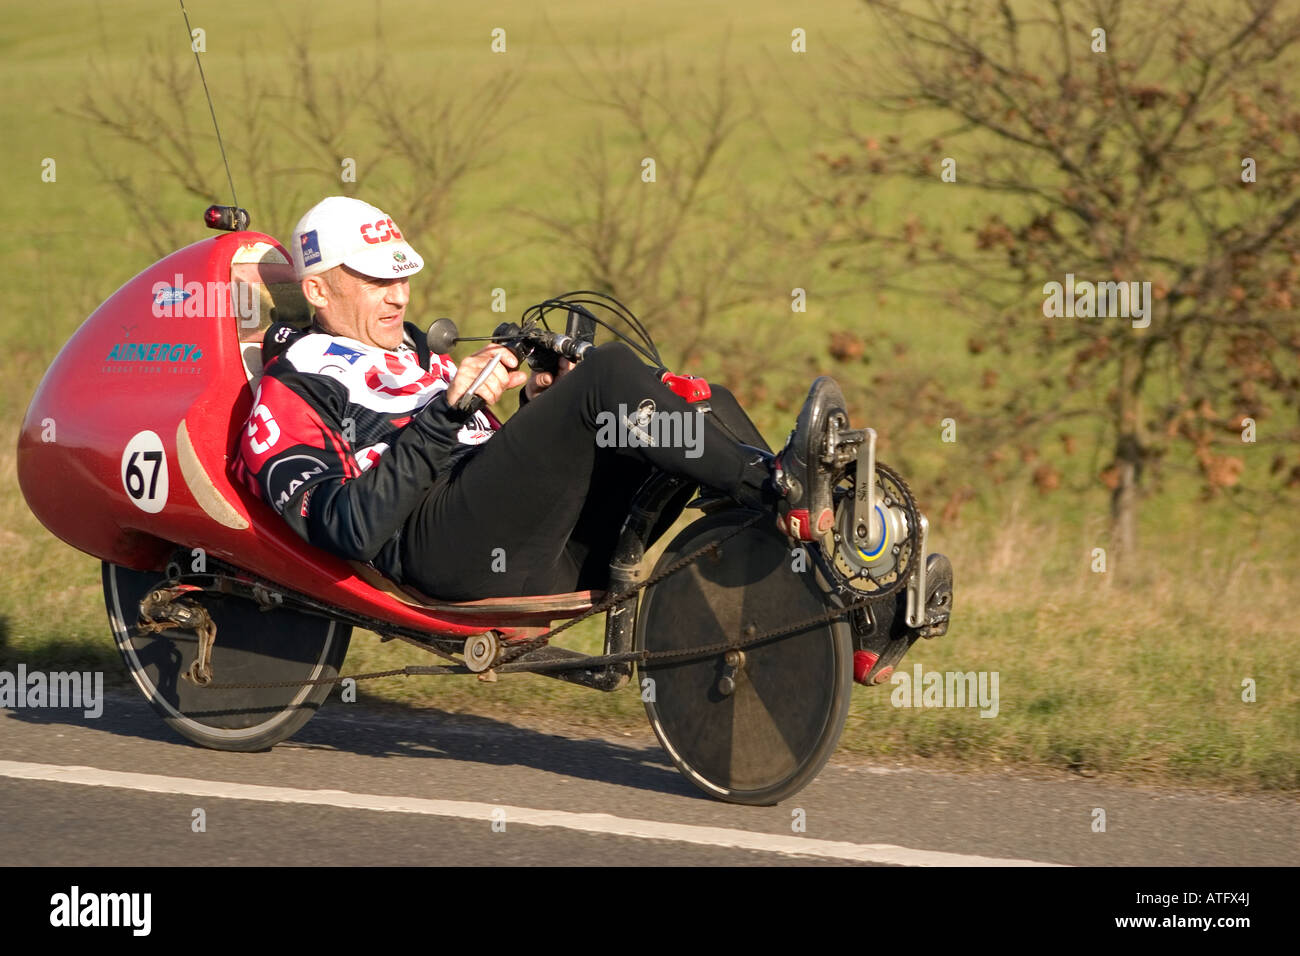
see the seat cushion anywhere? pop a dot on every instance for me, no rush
(554, 605)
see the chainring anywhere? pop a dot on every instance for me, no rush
(848, 573)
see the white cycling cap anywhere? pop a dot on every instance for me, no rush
(345, 231)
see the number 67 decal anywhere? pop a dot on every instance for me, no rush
(144, 472)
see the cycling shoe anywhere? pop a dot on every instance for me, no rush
(806, 509)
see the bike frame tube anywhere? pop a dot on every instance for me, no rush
(625, 572)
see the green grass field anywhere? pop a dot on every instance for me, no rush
(1140, 679)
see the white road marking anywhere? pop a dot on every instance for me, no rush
(524, 816)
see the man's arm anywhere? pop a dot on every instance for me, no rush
(296, 457)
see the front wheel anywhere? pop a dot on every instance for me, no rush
(758, 732)
(252, 646)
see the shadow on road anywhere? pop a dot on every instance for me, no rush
(420, 734)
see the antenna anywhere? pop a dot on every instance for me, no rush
(230, 179)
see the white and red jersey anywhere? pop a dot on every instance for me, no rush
(345, 439)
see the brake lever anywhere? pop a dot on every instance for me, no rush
(544, 360)
(472, 402)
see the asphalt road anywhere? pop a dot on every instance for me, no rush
(359, 787)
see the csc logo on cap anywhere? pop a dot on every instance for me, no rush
(384, 230)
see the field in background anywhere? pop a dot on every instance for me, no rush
(1144, 679)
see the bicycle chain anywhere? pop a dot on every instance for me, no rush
(515, 651)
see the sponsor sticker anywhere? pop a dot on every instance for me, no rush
(170, 296)
(288, 475)
(155, 352)
(645, 411)
(347, 354)
(310, 247)
(144, 472)
(385, 230)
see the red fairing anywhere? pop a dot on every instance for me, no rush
(113, 381)
(126, 447)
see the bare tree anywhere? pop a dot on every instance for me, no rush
(661, 213)
(1116, 143)
(291, 135)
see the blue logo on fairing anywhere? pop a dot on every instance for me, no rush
(171, 296)
(351, 355)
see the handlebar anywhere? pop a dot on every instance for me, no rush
(558, 343)
(542, 348)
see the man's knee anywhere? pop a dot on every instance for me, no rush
(612, 363)
(615, 354)
(722, 396)
(733, 420)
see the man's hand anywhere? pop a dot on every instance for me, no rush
(539, 382)
(495, 385)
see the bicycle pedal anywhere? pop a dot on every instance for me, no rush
(863, 664)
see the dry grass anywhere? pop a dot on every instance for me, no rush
(1138, 676)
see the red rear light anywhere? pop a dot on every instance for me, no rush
(229, 218)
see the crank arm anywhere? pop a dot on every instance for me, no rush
(866, 524)
(844, 446)
(916, 588)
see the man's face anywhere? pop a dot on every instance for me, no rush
(360, 307)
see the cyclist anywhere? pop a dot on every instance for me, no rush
(355, 438)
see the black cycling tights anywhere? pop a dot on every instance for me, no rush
(538, 507)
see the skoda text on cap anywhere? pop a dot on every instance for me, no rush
(345, 231)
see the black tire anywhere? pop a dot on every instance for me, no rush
(769, 738)
(251, 646)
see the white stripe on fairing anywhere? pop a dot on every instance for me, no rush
(519, 816)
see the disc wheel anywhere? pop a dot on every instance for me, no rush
(768, 737)
(252, 645)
